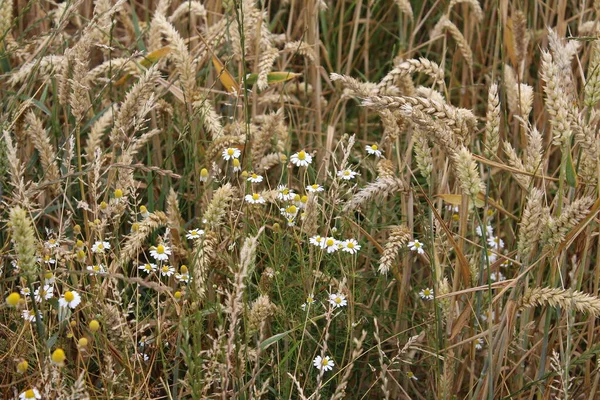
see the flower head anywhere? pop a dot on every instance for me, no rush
(194, 233)
(495, 243)
(167, 270)
(70, 299)
(161, 252)
(51, 243)
(25, 291)
(314, 188)
(147, 268)
(255, 178)
(29, 316)
(58, 357)
(284, 193)
(13, 299)
(479, 344)
(301, 159)
(323, 363)
(337, 300)
(254, 198)
(331, 244)
(318, 241)
(489, 231)
(203, 175)
(417, 246)
(94, 269)
(410, 375)
(30, 394)
(231, 153)
(45, 292)
(426, 294)
(350, 246)
(99, 247)
(347, 174)
(373, 149)
(310, 300)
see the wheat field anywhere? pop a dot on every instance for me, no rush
(299, 199)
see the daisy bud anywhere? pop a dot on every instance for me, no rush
(58, 357)
(22, 367)
(83, 342)
(13, 299)
(177, 295)
(77, 229)
(118, 193)
(94, 325)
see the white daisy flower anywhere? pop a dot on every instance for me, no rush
(318, 241)
(255, 178)
(45, 292)
(25, 291)
(426, 294)
(495, 243)
(185, 278)
(160, 252)
(47, 260)
(479, 344)
(70, 299)
(285, 194)
(301, 159)
(492, 256)
(289, 212)
(167, 270)
(314, 188)
(417, 246)
(49, 278)
(30, 394)
(231, 153)
(310, 300)
(347, 174)
(254, 198)
(506, 263)
(194, 234)
(237, 166)
(144, 211)
(99, 247)
(373, 149)
(410, 375)
(331, 245)
(350, 246)
(323, 363)
(489, 231)
(337, 300)
(94, 269)
(147, 268)
(29, 316)
(497, 277)
(51, 243)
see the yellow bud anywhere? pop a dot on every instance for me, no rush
(22, 367)
(94, 325)
(204, 173)
(118, 193)
(80, 254)
(276, 227)
(177, 295)
(135, 227)
(143, 209)
(77, 229)
(236, 163)
(73, 323)
(297, 197)
(13, 299)
(183, 269)
(58, 357)
(103, 205)
(304, 199)
(83, 342)
(244, 174)
(79, 243)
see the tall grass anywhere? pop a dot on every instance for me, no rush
(299, 199)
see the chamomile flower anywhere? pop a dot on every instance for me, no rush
(373, 150)
(194, 234)
(255, 178)
(204, 175)
(94, 269)
(167, 270)
(99, 247)
(29, 316)
(479, 344)
(350, 246)
(51, 243)
(410, 375)
(310, 300)
(495, 243)
(144, 211)
(25, 291)
(49, 278)
(492, 256)
(47, 260)
(323, 363)
(497, 277)
(231, 153)
(147, 268)
(417, 246)
(289, 212)
(237, 166)
(337, 300)
(30, 394)
(314, 188)
(45, 292)
(284, 193)
(58, 357)
(13, 299)
(318, 241)
(254, 198)
(331, 245)
(160, 252)
(301, 159)
(70, 299)
(347, 174)
(426, 294)
(489, 231)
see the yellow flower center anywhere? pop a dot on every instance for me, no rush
(148, 267)
(165, 269)
(324, 362)
(304, 199)
(255, 196)
(291, 209)
(48, 275)
(13, 299)
(160, 249)
(183, 269)
(426, 292)
(51, 241)
(330, 242)
(143, 209)
(350, 245)
(30, 394)
(103, 205)
(417, 245)
(58, 356)
(96, 268)
(374, 147)
(285, 191)
(254, 176)
(230, 152)
(46, 258)
(204, 173)
(118, 193)
(100, 246)
(94, 325)
(236, 163)
(69, 296)
(310, 300)
(22, 366)
(346, 173)
(338, 300)
(315, 186)
(302, 155)
(297, 197)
